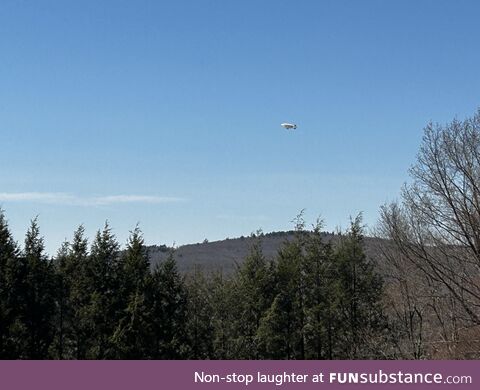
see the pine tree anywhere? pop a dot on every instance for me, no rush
(39, 295)
(360, 311)
(133, 335)
(254, 291)
(102, 312)
(281, 329)
(80, 289)
(321, 296)
(15, 301)
(223, 302)
(169, 306)
(72, 298)
(9, 257)
(62, 306)
(200, 328)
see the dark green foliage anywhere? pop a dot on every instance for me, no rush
(281, 330)
(359, 295)
(327, 304)
(11, 275)
(316, 300)
(223, 303)
(37, 307)
(72, 297)
(169, 310)
(133, 335)
(321, 297)
(253, 290)
(63, 307)
(103, 283)
(200, 330)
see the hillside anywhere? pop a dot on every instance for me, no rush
(225, 254)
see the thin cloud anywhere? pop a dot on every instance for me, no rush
(102, 200)
(63, 198)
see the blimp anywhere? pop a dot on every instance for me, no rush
(288, 126)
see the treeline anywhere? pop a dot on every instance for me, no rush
(314, 301)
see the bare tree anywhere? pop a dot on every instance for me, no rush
(436, 228)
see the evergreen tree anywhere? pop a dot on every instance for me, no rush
(72, 298)
(254, 290)
(360, 311)
(80, 288)
(133, 335)
(169, 306)
(223, 302)
(281, 330)
(9, 258)
(15, 303)
(321, 296)
(62, 306)
(102, 312)
(39, 295)
(200, 329)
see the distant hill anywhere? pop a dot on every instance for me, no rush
(225, 254)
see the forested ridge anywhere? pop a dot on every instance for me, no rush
(96, 301)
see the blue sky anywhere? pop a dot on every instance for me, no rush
(167, 113)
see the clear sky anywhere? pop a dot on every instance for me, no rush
(168, 113)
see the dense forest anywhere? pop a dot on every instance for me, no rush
(100, 302)
(419, 297)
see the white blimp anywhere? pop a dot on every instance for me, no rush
(289, 126)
